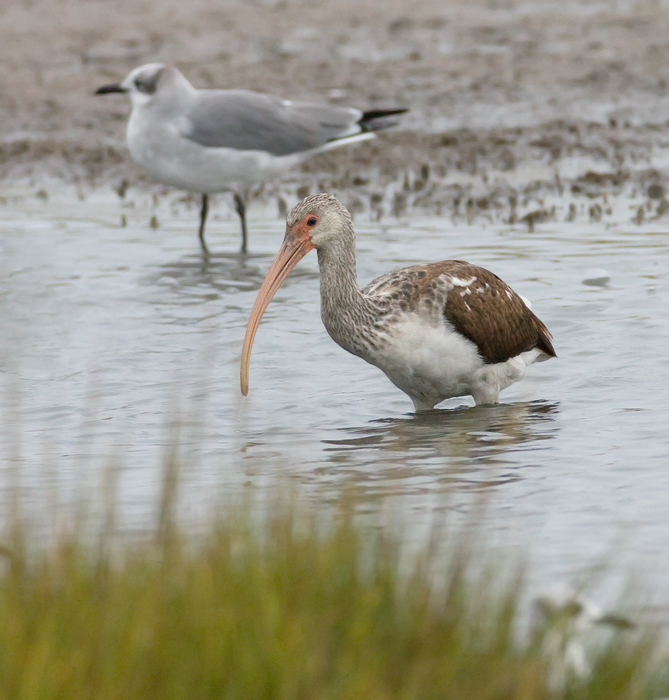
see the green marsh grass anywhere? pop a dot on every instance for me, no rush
(277, 606)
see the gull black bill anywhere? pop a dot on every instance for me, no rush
(106, 89)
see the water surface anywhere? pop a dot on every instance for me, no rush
(113, 335)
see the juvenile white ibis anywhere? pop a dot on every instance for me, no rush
(208, 141)
(438, 330)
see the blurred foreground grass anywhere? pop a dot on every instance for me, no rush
(276, 605)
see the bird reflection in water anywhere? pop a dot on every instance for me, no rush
(453, 446)
(211, 277)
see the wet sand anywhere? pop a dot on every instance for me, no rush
(519, 111)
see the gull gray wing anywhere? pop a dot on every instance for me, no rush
(246, 120)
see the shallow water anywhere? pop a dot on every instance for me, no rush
(112, 336)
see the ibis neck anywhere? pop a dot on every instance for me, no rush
(339, 281)
(346, 312)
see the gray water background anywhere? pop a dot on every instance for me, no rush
(118, 341)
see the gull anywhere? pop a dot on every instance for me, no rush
(208, 141)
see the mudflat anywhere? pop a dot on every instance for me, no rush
(512, 103)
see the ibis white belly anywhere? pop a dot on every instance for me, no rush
(432, 362)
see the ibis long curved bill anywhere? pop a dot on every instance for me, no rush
(296, 244)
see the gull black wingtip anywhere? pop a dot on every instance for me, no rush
(380, 113)
(106, 89)
(378, 119)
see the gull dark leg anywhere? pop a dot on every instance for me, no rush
(203, 217)
(240, 207)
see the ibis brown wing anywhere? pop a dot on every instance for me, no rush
(478, 304)
(492, 315)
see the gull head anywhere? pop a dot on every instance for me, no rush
(147, 82)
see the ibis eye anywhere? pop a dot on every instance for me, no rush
(312, 221)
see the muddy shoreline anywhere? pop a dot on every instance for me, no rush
(519, 111)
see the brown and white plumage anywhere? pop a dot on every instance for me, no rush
(438, 330)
